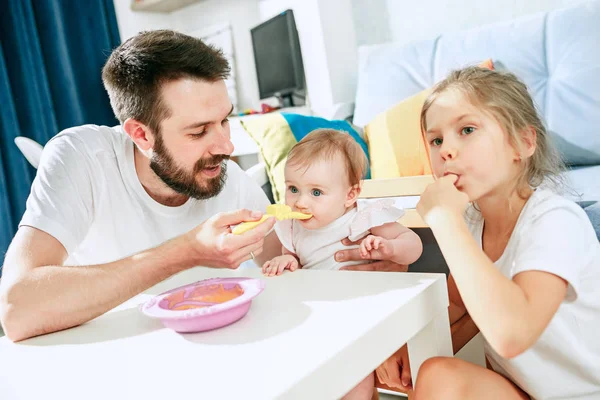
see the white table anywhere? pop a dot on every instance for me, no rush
(309, 335)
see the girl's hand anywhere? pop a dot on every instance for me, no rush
(442, 195)
(395, 371)
(280, 263)
(375, 247)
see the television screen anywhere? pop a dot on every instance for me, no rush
(277, 56)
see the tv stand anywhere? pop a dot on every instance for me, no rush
(286, 100)
(292, 99)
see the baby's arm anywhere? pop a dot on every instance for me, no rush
(277, 265)
(392, 241)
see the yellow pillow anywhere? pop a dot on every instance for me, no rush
(273, 135)
(396, 145)
(395, 142)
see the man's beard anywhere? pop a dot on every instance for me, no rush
(184, 182)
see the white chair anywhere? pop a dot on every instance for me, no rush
(31, 149)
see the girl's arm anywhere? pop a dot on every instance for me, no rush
(405, 246)
(511, 314)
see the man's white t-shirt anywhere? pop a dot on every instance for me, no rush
(555, 235)
(88, 196)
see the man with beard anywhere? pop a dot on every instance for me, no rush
(114, 211)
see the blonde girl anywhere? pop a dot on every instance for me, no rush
(524, 261)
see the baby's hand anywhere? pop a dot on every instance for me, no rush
(375, 247)
(280, 263)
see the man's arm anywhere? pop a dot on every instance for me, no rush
(38, 295)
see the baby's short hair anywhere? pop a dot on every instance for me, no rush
(326, 144)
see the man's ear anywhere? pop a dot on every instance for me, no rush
(140, 134)
(352, 196)
(529, 137)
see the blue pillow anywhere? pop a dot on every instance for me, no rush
(302, 125)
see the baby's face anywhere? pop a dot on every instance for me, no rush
(322, 190)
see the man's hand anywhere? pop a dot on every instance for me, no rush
(213, 244)
(354, 255)
(395, 371)
(70, 296)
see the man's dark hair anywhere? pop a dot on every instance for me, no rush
(135, 71)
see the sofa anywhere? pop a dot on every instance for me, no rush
(555, 53)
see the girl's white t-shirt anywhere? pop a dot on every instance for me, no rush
(88, 196)
(555, 235)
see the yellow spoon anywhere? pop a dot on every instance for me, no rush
(279, 211)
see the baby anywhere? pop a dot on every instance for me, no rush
(322, 176)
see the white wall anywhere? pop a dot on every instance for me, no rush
(314, 53)
(130, 22)
(425, 19)
(242, 15)
(330, 32)
(341, 47)
(269, 8)
(371, 21)
(329, 49)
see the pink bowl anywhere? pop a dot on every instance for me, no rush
(204, 305)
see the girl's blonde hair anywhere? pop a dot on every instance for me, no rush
(505, 98)
(326, 144)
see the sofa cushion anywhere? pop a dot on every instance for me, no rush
(593, 211)
(585, 182)
(395, 142)
(554, 53)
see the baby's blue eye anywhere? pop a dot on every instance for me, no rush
(467, 130)
(293, 189)
(316, 192)
(436, 142)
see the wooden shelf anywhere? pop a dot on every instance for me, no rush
(164, 6)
